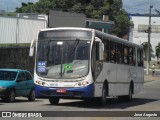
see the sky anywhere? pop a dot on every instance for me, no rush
(131, 6)
(10, 5)
(140, 6)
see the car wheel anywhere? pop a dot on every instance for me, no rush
(54, 100)
(31, 96)
(11, 96)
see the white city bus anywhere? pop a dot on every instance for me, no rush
(85, 63)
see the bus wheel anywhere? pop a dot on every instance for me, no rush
(129, 96)
(54, 100)
(103, 99)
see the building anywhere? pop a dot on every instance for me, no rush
(20, 29)
(65, 19)
(139, 32)
(70, 19)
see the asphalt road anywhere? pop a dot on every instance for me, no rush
(147, 100)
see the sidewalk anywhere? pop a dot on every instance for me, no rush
(149, 78)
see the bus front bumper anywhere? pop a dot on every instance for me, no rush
(75, 92)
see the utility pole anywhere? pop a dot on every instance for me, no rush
(149, 37)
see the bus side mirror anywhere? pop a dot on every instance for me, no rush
(31, 51)
(99, 51)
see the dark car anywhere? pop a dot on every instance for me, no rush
(14, 83)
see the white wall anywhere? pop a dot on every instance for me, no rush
(19, 30)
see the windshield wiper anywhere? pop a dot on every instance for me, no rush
(70, 53)
(48, 49)
(74, 48)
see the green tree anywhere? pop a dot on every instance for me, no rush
(122, 23)
(145, 49)
(157, 49)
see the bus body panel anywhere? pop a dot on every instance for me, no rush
(108, 73)
(80, 92)
(123, 80)
(98, 89)
(139, 82)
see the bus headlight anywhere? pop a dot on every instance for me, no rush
(84, 83)
(40, 83)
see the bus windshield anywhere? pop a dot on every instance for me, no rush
(59, 59)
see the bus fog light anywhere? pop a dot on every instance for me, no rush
(40, 83)
(43, 83)
(79, 84)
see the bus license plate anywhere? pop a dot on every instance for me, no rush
(63, 91)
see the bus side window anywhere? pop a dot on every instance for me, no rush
(131, 56)
(112, 52)
(106, 50)
(126, 61)
(119, 53)
(142, 64)
(134, 56)
(140, 58)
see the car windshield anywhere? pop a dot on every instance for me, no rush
(63, 58)
(7, 75)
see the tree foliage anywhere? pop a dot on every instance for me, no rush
(91, 8)
(145, 49)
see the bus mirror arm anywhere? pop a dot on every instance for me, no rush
(31, 51)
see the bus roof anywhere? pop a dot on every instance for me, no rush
(67, 28)
(117, 39)
(99, 33)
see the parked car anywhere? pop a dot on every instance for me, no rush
(14, 83)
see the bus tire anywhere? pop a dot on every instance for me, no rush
(103, 98)
(129, 96)
(54, 100)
